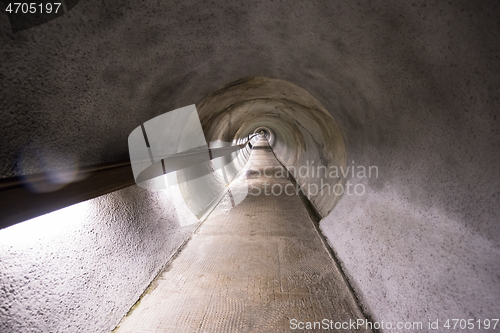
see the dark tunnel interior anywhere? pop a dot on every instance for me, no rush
(384, 113)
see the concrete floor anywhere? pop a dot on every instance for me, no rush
(252, 267)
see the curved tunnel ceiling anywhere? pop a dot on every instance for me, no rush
(301, 131)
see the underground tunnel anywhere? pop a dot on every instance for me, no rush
(380, 118)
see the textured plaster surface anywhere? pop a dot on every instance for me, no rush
(422, 265)
(83, 271)
(413, 87)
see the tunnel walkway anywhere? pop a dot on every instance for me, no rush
(250, 267)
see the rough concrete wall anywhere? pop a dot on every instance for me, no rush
(423, 242)
(413, 86)
(409, 264)
(84, 272)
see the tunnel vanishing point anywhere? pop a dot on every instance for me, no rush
(358, 175)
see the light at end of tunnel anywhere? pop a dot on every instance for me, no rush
(46, 226)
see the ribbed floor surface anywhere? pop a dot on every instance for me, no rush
(250, 268)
